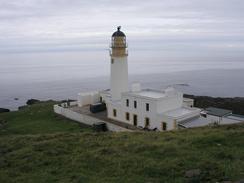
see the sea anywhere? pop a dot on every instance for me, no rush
(61, 75)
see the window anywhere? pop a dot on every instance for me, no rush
(175, 124)
(101, 99)
(147, 106)
(127, 116)
(112, 61)
(135, 104)
(114, 112)
(164, 126)
(135, 120)
(147, 122)
(127, 102)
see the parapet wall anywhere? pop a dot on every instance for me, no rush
(85, 119)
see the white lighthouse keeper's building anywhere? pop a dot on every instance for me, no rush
(146, 108)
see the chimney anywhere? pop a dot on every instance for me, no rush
(136, 87)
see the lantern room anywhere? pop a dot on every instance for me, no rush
(118, 44)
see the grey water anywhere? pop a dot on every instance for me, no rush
(60, 76)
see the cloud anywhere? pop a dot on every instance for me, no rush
(44, 25)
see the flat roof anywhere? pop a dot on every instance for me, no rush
(217, 111)
(180, 112)
(155, 94)
(195, 122)
(151, 94)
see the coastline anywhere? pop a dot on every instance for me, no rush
(235, 104)
(213, 83)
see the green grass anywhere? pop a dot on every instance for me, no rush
(66, 154)
(37, 119)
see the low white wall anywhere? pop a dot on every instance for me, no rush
(88, 98)
(187, 102)
(85, 119)
(227, 120)
(213, 119)
(222, 120)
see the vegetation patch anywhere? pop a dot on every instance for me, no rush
(38, 146)
(37, 118)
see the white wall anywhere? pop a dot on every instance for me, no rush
(118, 77)
(213, 119)
(170, 103)
(169, 121)
(140, 110)
(187, 102)
(110, 107)
(85, 119)
(226, 120)
(87, 98)
(156, 106)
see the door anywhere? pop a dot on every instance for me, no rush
(164, 126)
(135, 120)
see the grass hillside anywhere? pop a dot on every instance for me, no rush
(37, 119)
(51, 149)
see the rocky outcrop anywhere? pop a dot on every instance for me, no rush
(3, 124)
(22, 107)
(2, 110)
(235, 104)
(32, 101)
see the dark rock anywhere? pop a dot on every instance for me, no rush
(192, 173)
(3, 124)
(16, 98)
(22, 107)
(235, 104)
(69, 100)
(32, 101)
(2, 110)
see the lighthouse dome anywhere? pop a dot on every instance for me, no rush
(118, 33)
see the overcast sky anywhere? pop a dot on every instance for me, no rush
(73, 25)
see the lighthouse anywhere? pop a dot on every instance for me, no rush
(119, 64)
(133, 109)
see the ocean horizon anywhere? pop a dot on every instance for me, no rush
(51, 77)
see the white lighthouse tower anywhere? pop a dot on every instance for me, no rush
(119, 65)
